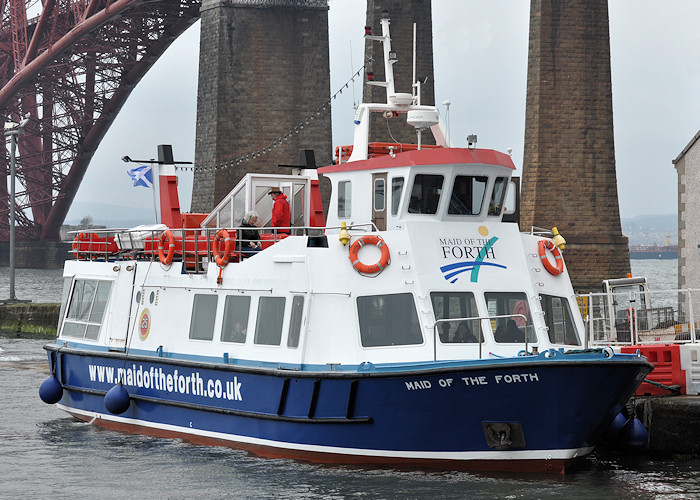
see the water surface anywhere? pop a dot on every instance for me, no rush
(44, 453)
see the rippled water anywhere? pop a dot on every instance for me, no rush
(37, 285)
(44, 453)
(661, 274)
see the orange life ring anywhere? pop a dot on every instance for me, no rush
(373, 268)
(166, 259)
(78, 249)
(222, 259)
(76, 245)
(545, 245)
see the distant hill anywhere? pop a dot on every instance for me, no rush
(110, 215)
(651, 229)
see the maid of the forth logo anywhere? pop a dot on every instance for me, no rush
(478, 249)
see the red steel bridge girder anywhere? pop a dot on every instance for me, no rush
(71, 70)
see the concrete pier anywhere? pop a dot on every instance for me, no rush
(36, 254)
(672, 423)
(29, 320)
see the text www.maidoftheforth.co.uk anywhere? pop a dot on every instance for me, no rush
(159, 379)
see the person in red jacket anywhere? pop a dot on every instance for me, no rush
(280, 211)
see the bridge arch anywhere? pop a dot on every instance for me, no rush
(71, 69)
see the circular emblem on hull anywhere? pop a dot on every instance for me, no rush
(144, 324)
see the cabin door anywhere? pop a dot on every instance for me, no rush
(121, 307)
(379, 201)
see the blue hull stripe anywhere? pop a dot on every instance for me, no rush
(422, 412)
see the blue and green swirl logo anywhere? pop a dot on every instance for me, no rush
(451, 272)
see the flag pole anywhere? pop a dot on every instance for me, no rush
(156, 180)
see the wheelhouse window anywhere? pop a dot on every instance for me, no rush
(235, 325)
(425, 194)
(203, 316)
(86, 309)
(467, 195)
(344, 198)
(225, 216)
(511, 317)
(299, 202)
(561, 328)
(456, 307)
(295, 321)
(389, 319)
(268, 326)
(396, 192)
(497, 195)
(379, 195)
(67, 282)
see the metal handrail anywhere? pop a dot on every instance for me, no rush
(481, 335)
(678, 301)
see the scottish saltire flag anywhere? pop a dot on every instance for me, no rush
(141, 176)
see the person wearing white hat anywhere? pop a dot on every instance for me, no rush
(280, 211)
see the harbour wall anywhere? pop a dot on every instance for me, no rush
(671, 422)
(29, 320)
(36, 254)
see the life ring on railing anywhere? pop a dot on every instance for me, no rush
(76, 245)
(88, 238)
(166, 259)
(545, 245)
(373, 268)
(222, 259)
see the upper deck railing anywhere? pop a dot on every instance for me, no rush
(640, 317)
(195, 247)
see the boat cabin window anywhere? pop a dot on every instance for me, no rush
(379, 195)
(456, 307)
(67, 282)
(344, 197)
(268, 326)
(298, 203)
(511, 201)
(467, 195)
(86, 309)
(225, 216)
(235, 325)
(425, 194)
(295, 321)
(388, 320)
(513, 317)
(396, 192)
(497, 195)
(203, 316)
(559, 321)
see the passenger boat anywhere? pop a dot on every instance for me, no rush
(414, 326)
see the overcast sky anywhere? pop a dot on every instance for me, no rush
(480, 60)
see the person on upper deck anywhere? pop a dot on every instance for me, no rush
(249, 240)
(280, 211)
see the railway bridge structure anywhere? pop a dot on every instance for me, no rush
(69, 66)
